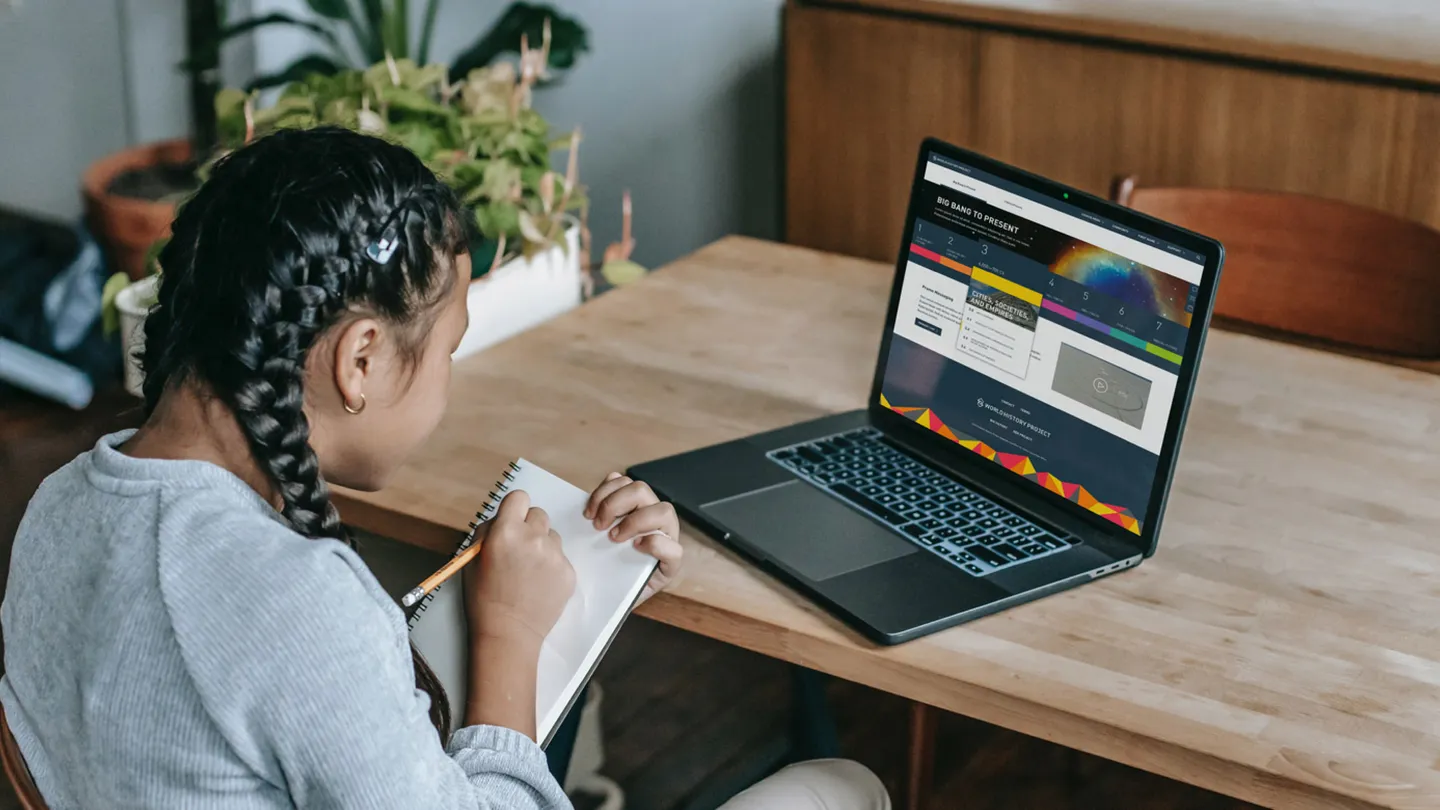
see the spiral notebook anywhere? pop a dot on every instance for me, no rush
(608, 580)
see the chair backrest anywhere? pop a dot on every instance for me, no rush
(17, 771)
(1313, 267)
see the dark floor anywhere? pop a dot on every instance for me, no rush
(683, 713)
(679, 708)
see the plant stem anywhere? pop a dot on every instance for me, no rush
(202, 40)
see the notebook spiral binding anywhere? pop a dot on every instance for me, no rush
(492, 503)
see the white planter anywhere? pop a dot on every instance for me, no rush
(134, 303)
(522, 293)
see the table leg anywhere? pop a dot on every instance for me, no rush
(920, 758)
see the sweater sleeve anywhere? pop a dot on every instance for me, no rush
(307, 673)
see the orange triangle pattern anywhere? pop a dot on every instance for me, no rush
(1021, 465)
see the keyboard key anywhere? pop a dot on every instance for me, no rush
(810, 455)
(1005, 532)
(942, 514)
(946, 533)
(930, 524)
(897, 489)
(945, 498)
(912, 514)
(872, 490)
(885, 466)
(974, 569)
(913, 530)
(1051, 541)
(1031, 531)
(1033, 549)
(988, 523)
(853, 495)
(927, 505)
(985, 555)
(928, 490)
(887, 498)
(970, 514)
(1014, 521)
(966, 556)
(972, 531)
(990, 539)
(1009, 552)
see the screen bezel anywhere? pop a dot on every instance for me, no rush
(991, 474)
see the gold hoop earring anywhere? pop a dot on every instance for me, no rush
(353, 411)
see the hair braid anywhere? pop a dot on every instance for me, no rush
(271, 253)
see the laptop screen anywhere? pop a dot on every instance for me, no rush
(1041, 337)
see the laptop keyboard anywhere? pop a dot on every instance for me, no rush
(952, 521)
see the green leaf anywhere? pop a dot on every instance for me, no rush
(278, 18)
(568, 38)
(427, 28)
(374, 14)
(306, 65)
(622, 271)
(332, 9)
(482, 255)
(417, 137)
(109, 313)
(497, 217)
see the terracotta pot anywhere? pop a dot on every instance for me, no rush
(125, 226)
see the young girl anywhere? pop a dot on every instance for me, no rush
(185, 622)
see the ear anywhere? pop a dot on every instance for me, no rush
(356, 353)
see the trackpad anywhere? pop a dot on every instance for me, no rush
(808, 531)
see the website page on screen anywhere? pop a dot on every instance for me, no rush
(1041, 337)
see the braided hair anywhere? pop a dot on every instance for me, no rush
(274, 249)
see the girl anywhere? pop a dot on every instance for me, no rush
(186, 624)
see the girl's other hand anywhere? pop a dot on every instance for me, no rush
(520, 584)
(649, 522)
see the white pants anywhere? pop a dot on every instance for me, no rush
(822, 784)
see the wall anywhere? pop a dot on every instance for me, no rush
(63, 97)
(678, 101)
(82, 78)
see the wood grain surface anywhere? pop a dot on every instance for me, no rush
(1281, 647)
(863, 89)
(1117, 28)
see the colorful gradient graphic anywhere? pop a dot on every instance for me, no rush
(1085, 320)
(1126, 281)
(1020, 465)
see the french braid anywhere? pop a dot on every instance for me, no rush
(271, 253)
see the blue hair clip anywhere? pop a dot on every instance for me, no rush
(381, 251)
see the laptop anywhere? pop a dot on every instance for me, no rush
(1039, 354)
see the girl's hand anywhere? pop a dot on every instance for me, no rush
(519, 586)
(651, 524)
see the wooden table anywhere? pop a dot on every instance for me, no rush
(1282, 647)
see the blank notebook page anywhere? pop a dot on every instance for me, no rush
(608, 580)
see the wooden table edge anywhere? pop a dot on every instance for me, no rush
(982, 703)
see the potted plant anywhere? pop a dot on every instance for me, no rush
(130, 195)
(482, 136)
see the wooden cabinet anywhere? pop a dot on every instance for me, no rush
(866, 81)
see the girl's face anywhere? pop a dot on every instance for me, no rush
(400, 394)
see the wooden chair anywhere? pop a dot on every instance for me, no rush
(1312, 267)
(17, 771)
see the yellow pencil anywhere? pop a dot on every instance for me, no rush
(446, 571)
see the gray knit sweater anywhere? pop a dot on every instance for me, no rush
(170, 643)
